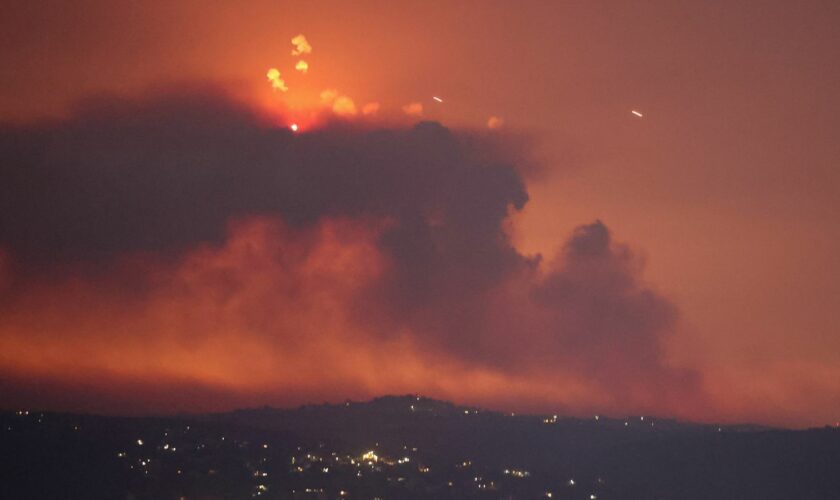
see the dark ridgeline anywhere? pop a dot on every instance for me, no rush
(407, 447)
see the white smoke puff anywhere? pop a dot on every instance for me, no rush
(301, 46)
(277, 83)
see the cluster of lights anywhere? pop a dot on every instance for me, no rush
(370, 457)
(517, 473)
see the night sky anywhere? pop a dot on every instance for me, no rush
(454, 199)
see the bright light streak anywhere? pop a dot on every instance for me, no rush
(438, 99)
(637, 113)
(294, 127)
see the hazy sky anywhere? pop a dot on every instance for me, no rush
(725, 193)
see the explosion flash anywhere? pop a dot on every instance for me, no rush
(301, 46)
(277, 83)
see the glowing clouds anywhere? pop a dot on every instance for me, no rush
(301, 46)
(494, 122)
(344, 106)
(290, 310)
(394, 254)
(413, 109)
(341, 105)
(277, 83)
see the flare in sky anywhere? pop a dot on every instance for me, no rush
(637, 113)
(277, 82)
(301, 46)
(302, 66)
(438, 99)
(413, 109)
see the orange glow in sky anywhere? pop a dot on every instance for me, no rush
(728, 187)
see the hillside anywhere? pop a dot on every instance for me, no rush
(407, 447)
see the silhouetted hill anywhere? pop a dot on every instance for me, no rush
(408, 447)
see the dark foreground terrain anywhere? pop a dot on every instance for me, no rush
(407, 447)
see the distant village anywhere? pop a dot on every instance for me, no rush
(392, 448)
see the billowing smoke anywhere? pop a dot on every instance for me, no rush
(184, 232)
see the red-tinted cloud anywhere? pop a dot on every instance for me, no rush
(179, 241)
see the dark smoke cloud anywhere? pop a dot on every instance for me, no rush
(166, 173)
(611, 325)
